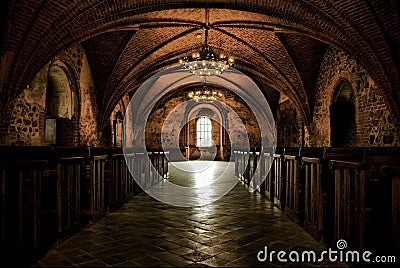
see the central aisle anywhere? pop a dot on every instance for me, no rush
(228, 232)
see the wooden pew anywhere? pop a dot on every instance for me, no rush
(350, 154)
(349, 207)
(278, 178)
(268, 160)
(57, 205)
(21, 227)
(380, 198)
(293, 185)
(391, 181)
(66, 188)
(294, 188)
(313, 188)
(69, 174)
(93, 185)
(119, 191)
(133, 185)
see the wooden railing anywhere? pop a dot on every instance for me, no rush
(94, 188)
(20, 210)
(349, 205)
(121, 186)
(54, 192)
(69, 175)
(338, 194)
(391, 175)
(269, 181)
(313, 196)
(335, 193)
(132, 187)
(117, 182)
(279, 180)
(294, 188)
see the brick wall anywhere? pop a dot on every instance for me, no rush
(375, 126)
(166, 105)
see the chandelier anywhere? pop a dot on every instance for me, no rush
(206, 62)
(206, 94)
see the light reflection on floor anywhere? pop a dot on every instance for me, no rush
(198, 173)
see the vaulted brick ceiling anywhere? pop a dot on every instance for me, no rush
(280, 44)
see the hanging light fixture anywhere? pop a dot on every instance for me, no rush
(206, 94)
(206, 62)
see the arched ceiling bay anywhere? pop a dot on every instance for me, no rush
(279, 44)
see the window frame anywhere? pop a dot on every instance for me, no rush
(204, 132)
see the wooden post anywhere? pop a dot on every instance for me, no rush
(392, 175)
(349, 202)
(68, 194)
(313, 197)
(294, 199)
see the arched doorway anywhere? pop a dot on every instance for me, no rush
(204, 133)
(342, 116)
(61, 106)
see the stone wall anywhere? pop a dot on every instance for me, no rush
(289, 125)
(27, 114)
(167, 104)
(375, 125)
(89, 130)
(24, 118)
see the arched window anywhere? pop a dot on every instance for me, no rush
(204, 132)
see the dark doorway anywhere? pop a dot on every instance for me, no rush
(342, 119)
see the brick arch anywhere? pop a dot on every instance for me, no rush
(135, 78)
(343, 91)
(66, 89)
(62, 105)
(340, 26)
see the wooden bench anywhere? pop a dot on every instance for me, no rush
(312, 187)
(21, 226)
(391, 182)
(49, 193)
(69, 175)
(119, 190)
(269, 182)
(381, 199)
(349, 207)
(278, 179)
(93, 184)
(292, 184)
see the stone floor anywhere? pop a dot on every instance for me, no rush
(228, 232)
